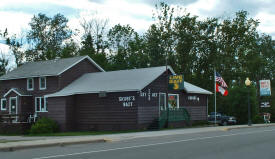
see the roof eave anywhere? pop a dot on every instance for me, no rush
(89, 92)
(85, 57)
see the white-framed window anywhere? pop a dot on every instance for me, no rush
(162, 101)
(30, 84)
(3, 104)
(42, 83)
(173, 101)
(41, 104)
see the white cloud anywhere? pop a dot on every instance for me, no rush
(138, 15)
(267, 22)
(201, 5)
(15, 22)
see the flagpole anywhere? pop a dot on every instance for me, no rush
(215, 96)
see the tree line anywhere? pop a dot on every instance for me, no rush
(193, 47)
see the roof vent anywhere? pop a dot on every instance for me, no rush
(102, 94)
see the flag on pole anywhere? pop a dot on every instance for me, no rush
(220, 89)
(220, 80)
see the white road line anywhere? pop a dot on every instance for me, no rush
(154, 144)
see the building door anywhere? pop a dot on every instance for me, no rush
(13, 105)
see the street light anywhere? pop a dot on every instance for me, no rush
(247, 83)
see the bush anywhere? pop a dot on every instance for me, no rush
(257, 119)
(43, 126)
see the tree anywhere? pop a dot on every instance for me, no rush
(4, 61)
(236, 103)
(125, 48)
(159, 38)
(46, 37)
(87, 48)
(15, 46)
(96, 28)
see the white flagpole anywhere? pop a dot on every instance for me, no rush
(215, 95)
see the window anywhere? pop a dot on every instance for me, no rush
(162, 101)
(40, 104)
(3, 104)
(30, 84)
(173, 101)
(42, 83)
(193, 98)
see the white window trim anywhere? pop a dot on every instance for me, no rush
(30, 89)
(3, 99)
(15, 105)
(164, 100)
(178, 101)
(40, 104)
(40, 88)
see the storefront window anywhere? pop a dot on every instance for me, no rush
(173, 101)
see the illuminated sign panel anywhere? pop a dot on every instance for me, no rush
(176, 82)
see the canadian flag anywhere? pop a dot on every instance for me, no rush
(220, 89)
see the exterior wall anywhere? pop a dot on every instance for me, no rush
(86, 112)
(26, 105)
(70, 113)
(75, 72)
(148, 108)
(106, 113)
(53, 83)
(12, 94)
(197, 108)
(57, 111)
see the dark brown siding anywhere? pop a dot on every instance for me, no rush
(12, 94)
(107, 113)
(197, 108)
(26, 105)
(148, 110)
(76, 71)
(57, 111)
(70, 113)
(53, 83)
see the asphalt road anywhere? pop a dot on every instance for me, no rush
(246, 143)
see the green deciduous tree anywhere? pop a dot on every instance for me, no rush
(47, 36)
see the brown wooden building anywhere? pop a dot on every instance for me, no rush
(80, 95)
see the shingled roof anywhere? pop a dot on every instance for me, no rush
(46, 68)
(119, 81)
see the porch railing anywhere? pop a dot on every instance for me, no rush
(173, 115)
(14, 118)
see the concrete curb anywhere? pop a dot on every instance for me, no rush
(246, 126)
(12, 146)
(44, 143)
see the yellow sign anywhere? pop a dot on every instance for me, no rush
(176, 82)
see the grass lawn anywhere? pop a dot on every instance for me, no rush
(83, 133)
(5, 141)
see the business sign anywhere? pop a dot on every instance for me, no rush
(265, 88)
(127, 101)
(265, 104)
(176, 82)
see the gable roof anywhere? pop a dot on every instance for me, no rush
(46, 68)
(190, 88)
(17, 91)
(117, 81)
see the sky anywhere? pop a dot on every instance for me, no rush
(16, 14)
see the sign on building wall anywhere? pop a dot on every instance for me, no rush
(265, 104)
(127, 101)
(265, 88)
(176, 82)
